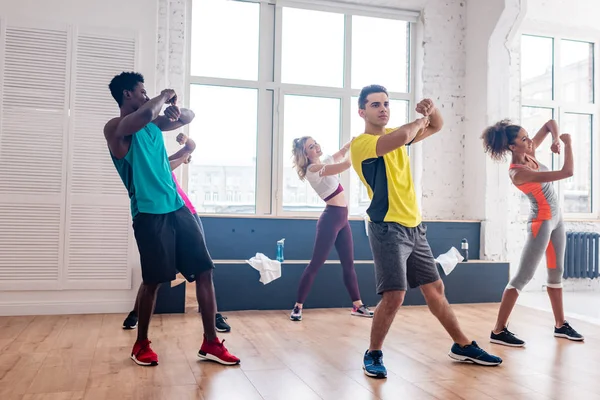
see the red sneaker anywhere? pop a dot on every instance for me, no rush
(216, 351)
(143, 355)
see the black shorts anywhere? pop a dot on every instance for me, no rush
(169, 243)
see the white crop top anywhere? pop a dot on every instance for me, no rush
(323, 185)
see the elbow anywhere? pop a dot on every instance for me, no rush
(188, 117)
(568, 172)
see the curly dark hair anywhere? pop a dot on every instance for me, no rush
(124, 81)
(498, 137)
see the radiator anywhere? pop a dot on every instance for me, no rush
(582, 255)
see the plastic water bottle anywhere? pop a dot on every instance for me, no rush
(464, 245)
(280, 250)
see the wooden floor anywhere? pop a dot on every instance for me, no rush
(87, 357)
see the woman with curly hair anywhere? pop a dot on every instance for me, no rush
(332, 227)
(545, 228)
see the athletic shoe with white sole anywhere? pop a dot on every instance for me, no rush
(567, 332)
(215, 351)
(506, 338)
(362, 311)
(474, 354)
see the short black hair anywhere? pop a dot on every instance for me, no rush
(366, 91)
(124, 81)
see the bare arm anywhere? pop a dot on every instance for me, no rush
(186, 150)
(138, 119)
(524, 175)
(549, 127)
(176, 162)
(435, 125)
(338, 156)
(332, 169)
(401, 136)
(174, 118)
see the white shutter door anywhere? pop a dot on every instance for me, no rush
(99, 250)
(34, 88)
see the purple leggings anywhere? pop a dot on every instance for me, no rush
(332, 228)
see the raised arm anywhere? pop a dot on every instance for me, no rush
(429, 110)
(525, 175)
(337, 157)
(135, 121)
(174, 118)
(401, 136)
(331, 169)
(188, 147)
(549, 127)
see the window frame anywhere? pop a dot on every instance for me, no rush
(271, 92)
(560, 108)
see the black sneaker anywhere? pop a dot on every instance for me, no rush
(567, 332)
(221, 325)
(474, 354)
(296, 314)
(131, 321)
(506, 338)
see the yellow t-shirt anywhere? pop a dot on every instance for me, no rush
(388, 181)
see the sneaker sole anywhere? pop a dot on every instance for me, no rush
(361, 315)
(205, 356)
(459, 358)
(506, 343)
(129, 327)
(371, 375)
(296, 319)
(562, 335)
(144, 364)
(223, 330)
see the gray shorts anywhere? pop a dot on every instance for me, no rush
(401, 254)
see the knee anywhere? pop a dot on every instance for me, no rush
(519, 281)
(393, 299)
(433, 291)
(204, 277)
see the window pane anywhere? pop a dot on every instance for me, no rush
(318, 117)
(312, 48)
(532, 119)
(380, 36)
(577, 189)
(225, 39)
(537, 67)
(577, 71)
(224, 162)
(359, 198)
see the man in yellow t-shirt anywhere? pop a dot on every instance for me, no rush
(401, 253)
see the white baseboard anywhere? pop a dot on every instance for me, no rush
(64, 308)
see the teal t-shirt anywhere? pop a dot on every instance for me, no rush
(146, 173)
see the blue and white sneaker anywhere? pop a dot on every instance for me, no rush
(373, 364)
(473, 353)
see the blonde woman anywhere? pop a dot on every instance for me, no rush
(332, 227)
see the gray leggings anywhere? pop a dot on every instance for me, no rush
(542, 237)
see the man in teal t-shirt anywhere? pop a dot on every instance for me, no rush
(167, 235)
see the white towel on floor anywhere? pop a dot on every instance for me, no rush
(449, 259)
(269, 269)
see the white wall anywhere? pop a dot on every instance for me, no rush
(140, 15)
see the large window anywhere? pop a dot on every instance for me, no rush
(558, 81)
(267, 74)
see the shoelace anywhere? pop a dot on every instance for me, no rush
(377, 360)
(146, 345)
